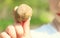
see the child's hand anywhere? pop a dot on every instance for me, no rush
(18, 29)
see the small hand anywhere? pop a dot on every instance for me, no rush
(18, 29)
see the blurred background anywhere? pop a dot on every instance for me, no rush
(41, 12)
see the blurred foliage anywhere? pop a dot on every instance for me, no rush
(40, 11)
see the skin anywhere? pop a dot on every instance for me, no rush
(55, 9)
(19, 31)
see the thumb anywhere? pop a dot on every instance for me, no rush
(26, 26)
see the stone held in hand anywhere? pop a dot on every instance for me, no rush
(23, 12)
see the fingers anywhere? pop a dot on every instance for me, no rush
(26, 26)
(19, 30)
(4, 35)
(11, 31)
(15, 31)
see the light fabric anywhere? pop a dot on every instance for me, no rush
(45, 31)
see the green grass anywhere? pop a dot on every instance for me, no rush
(4, 23)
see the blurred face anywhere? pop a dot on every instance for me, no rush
(55, 8)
